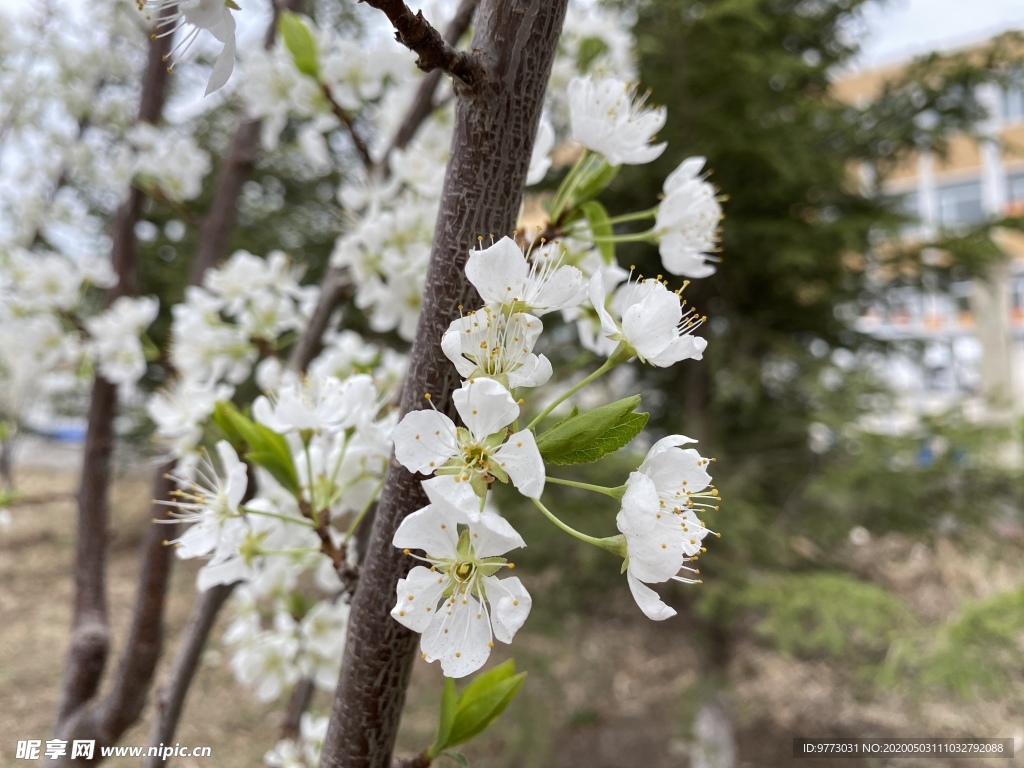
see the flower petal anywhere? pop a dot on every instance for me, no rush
(499, 272)
(492, 535)
(459, 635)
(485, 407)
(431, 530)
(424, 440)
(510, 605)
(640, 505)
(521, 459)
(648, 600)
(417, 597)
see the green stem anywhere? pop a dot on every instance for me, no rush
(625, 218)
(615, 493)
(636, 237)
(569, 181)
(362, 513)
(297, 520)
(607, 366)
(611, 544)
(570, 189)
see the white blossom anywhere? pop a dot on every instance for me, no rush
(607, 117)
(687, 221)
(427, 441)
(504, 277)
(491, 344)
(657, 518)
(458, 603)
(649, 319)
(212, 15)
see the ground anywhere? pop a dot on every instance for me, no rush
(607, 689)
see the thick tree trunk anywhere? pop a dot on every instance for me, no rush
(495, 124)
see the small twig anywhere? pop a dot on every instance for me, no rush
(302, 695)
(423, 102)
(171, 699)
(346, 118)
(431, 49)
(335, 287)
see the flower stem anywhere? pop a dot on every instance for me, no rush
(615, 493)
(650, 213)
(611, 544)
(286, 518)
(635, 237)
(570, 181)
(362, 513)
(607, 366)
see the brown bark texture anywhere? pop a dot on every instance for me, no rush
(90, 634)
(496, 120)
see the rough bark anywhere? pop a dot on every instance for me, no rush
(90, 635)
(171, 699)
(495, 124)
(423, 102)
(105, 719)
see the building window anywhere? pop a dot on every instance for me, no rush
(960, 203)
(1015, 187)
(1011, 104)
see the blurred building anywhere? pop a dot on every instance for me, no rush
(973, 331)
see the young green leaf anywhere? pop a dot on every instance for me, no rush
(301, 44)
(266, 448)
(577, 432)
(595, 182)
(619, 436)
(449, 703)
(478, 710)
(597, 218)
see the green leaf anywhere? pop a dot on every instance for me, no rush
(589, 49)
(449, 703)
(578, 431)
(480, 706)
(595, 182)
(619, 436)
(597, 217)
(222, 418)
(267, 448)
(301, 44)
(458, 758)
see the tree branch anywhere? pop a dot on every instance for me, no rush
(90, 636)
(171, 698)
(298, 703)
(423, 102)
(495, 124)
(431, 49)
(335, 287)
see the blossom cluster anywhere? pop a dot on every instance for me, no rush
(277, 464)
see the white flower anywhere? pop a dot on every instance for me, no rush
(180, 410)
(318, 403)
(687, 221)
(492, 344)
(652, 322)
(115, 337)
(211, 503)
(267, 663)
(458, 603)
(657, 518)
(428, 442)
(505, 278)
(540, 160)
(211, 15)
(606, 117)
